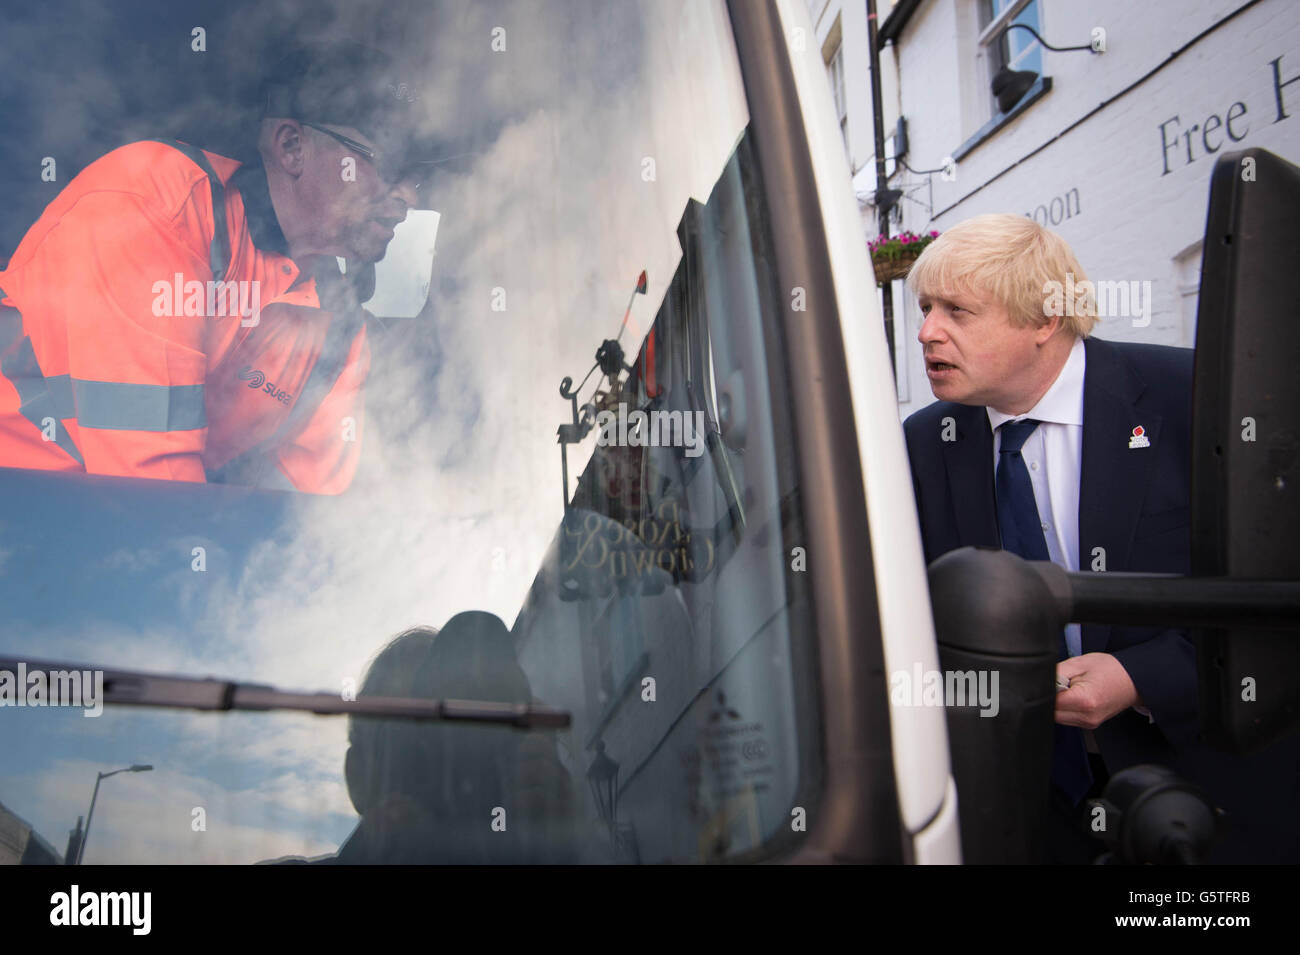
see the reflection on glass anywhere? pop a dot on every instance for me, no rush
(176, 314)
(645, 568)
(447, 793)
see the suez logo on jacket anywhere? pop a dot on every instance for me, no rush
(257, 379)
(75, 907)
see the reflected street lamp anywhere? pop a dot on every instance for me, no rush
(137, 768)
(603, 777)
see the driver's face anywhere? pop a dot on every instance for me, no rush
(356, 211)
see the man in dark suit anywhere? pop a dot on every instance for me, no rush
(1058, 446)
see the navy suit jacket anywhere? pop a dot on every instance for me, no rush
(1134, 505)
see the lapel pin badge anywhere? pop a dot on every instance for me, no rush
(1139, 438)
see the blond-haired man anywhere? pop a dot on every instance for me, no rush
(1056, 445)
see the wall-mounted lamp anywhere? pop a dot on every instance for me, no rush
(1010, 85)
(885, 199)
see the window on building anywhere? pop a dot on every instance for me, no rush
(1187, 264)
(835, 66)
(1014, 49)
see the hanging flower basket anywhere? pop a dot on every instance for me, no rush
(887, 270)
(893, 257)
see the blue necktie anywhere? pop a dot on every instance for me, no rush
(1022, 534)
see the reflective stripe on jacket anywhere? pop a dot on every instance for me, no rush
(130, 344)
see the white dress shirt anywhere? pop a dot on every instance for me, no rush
(1053, 455)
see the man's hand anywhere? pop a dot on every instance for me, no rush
(1099, 688)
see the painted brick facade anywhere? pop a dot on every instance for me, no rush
(1131, 204)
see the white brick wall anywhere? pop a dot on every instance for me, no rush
(1134, 220)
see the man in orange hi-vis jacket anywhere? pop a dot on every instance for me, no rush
(174, 314)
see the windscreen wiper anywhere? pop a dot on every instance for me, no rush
(136, 688)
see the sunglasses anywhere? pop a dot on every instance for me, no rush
(391, 168)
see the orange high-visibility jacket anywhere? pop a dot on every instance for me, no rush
(129, 345)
